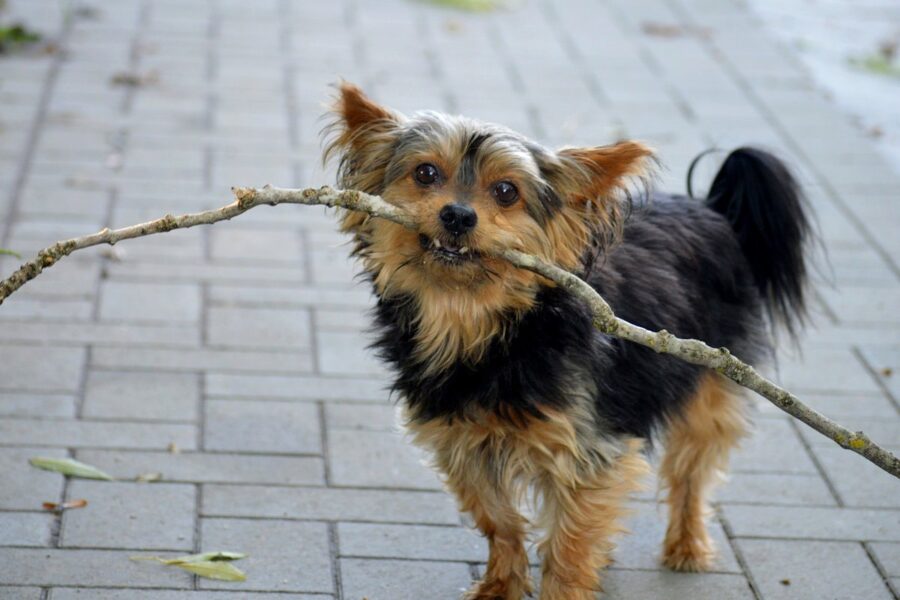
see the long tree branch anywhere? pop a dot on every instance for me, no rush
(692, 351)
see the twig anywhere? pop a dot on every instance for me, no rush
(689, 350)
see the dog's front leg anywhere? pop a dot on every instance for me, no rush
(484, 492)
(582, 508)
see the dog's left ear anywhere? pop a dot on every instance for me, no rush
(598, 171)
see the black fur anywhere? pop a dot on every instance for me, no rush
(680, 266)
(762, 201)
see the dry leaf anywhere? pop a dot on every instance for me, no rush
(81, 503)
(69, 467)
(173, 448)
(148, 477)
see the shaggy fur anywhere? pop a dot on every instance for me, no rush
(502, 375)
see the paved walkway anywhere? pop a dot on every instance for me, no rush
(241, 345)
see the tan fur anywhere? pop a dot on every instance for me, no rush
(581, 521)
(462, 308)
(583, 480)
(697, 446)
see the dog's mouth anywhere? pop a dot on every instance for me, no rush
(447, 252)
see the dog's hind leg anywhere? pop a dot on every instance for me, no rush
(698, 442)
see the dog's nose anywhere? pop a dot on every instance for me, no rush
(458, 218)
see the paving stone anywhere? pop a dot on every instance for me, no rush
(377, 459)
(775, 488)
(355, 297)
(97, 434)
(136, 396)
(209, 468)
(340, 415)
(36, 405)
(253, 244)
(279, 427)
(641, 547)
(113, 594)
(402, 580)
(799, 570)
(158, 516)
(167, 302)
(813, 523)
(330, 504)
(282, 555)
(50, 566)
(345, 352)
(300, 387)
(56, 309)
(663, 585)
(20, 593)
(105, 333)
(826, 370)
(41, 369)
(202, 272)
(888, 556)
(258, 327)
(859, 483)
(25, 487)
(418, 542)
(773, 447)
(201, 359)
(26, 529)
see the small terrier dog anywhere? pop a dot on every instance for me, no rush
(503, 377)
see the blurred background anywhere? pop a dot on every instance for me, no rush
(232, 361)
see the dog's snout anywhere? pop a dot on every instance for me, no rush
(458, 218)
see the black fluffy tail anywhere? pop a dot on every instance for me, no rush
(765, 206)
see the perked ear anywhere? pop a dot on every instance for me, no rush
(357, 110)
(604, 168)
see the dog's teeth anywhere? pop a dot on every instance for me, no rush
(464, 249)
(436, 242)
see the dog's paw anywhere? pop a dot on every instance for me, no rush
(498, 590)
(690, 556)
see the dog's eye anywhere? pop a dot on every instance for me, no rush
(505, 193)
(426, 174)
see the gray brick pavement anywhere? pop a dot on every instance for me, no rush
(231, 360)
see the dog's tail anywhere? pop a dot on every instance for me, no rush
(758, 195)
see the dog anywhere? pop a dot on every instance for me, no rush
(501, 374)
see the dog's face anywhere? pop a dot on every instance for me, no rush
(475, 189)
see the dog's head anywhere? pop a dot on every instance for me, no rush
(475, 189)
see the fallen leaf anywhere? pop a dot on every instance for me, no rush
(666, 30)
(470, 5)
(212, 565)
(130, 79)
(55, 507)
(148, 477)
(69, 467)
(785, 582)
(173, 448)
(221, 570)
(887, 372)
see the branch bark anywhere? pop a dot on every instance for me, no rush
(689, 350)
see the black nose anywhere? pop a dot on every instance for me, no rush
(458, 218)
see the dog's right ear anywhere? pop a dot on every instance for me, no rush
(357, 110)
(361, 135)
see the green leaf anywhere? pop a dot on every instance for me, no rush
(69, 467)
(205, 557)
(212, 565)
(221, 570)
(470, 5)
(4, 251)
